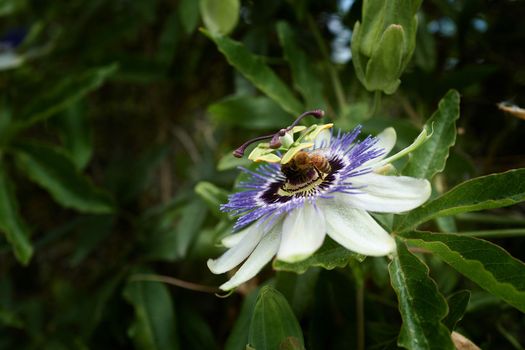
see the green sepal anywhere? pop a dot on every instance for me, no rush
(423, 137)
(373, 24)
(384, 67)
(356, 54)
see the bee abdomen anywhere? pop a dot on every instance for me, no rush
(321, 163)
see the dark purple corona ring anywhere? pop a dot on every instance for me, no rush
(268, 192)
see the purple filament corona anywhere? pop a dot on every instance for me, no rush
(259, 197)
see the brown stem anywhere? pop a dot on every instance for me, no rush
(174, 282)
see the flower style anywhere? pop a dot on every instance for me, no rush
(328, 189)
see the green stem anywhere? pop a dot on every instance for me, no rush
(509, 336)
(492, 219)
(338, 89)
(360, 315)
(513, 232)
(377, 103)
(334, 77)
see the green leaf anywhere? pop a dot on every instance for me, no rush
(305, 78)
(168, 41)
(229, 161)
(126, 186)
(92, 230)
(255, 70)
(188, 13)
(249, 112)
(487, 264)
(188, 226)
(273, 323)
(154, 326)
(99, 302)
(49, 167)
(220, 17)
(169, 241)
(329, 256)
(11, 223)
(76, 134)
(421, 305)
(10, 319)
(213, 196)
(334, 329)
(491, 191)
(6, 118)
(67, 91)
(457, 305)
(298, 289)
(238, 337)
(195, 332)
(431, 157)
(10, 7)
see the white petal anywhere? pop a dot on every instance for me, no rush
(303, 233)
(323, 139)
(386, 140)
(387, 194)
(232, 240)
(357, 231)
(262, 254)
(235, 255)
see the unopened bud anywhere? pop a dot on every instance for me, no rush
(383, 43)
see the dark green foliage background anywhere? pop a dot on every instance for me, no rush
(125, 110)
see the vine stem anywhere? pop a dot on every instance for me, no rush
(505, 233)
(140, 277)
(491, 218)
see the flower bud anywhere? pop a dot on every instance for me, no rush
(383, 43)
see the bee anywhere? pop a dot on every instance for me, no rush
(304, 166)
(320, 163)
